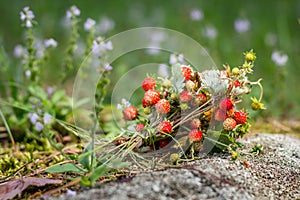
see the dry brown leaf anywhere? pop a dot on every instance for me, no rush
(15, 187)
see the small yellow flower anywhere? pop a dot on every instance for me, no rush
(256, 105)
(250, 56)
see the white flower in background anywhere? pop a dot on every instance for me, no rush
(27, 16)
(28, 73)
(105, 24)
(270, 39)
(50, 43)
(163, 70)
(89, 24)
(19, 51)
(242, 25)
(33, 117)
(50, 91)
(125, 102)
(210, 32)
(47, 118)
(39, 126)
(176, 59)
(99, 47)
(108, 67)
(279, 58)
(72, 11)
(196, 15)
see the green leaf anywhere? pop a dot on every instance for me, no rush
(85, 158)
(58, 95)
(38, 92)
(68, 167)
(97, 173)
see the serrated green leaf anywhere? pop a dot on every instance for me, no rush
(68, 167)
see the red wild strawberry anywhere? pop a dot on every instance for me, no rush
(200, 99)
(195, 135)
(240, 117)
(195, 123)
(130, 113)
(226, 104)
(185, 96)
(148, 84)
(162, 106)
(236, 83)
(165, 127)
(220, 115)
(151, 97)
(229, 124)
(139, 127)
(187, 72)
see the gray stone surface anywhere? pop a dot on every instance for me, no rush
(275, 174)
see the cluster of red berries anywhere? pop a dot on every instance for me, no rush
(226, 113)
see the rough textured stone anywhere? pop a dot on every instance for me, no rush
(275, 174)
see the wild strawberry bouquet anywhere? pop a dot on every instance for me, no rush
(191, 111)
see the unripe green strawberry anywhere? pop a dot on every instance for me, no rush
(235, 71)
(185, 96)
(130, 113)
(240, 117)
(165, 127)
(162, 106)
(148, 84)
(151, 97)
(147, 110)
(195, 135)
(229, 124)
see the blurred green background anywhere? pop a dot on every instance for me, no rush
(224, 28)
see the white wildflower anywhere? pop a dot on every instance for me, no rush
(28, 73)
(125, 102)
(108, 67)
(210, 32)
(27, 16)
(89, 24)
(176, 59)
(50, 43)
(47, 118)
(279, 58)
(242, 25)
(196, 15)
(19, 51)
(39, 126)
(33, 117)
(73, 11)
